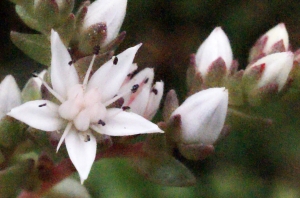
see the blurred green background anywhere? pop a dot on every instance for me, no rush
(249, 163)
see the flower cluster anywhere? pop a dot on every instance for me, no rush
(116, 99)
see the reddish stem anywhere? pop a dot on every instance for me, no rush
(65, 168)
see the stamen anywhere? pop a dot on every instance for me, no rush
(96, 50)
(87, 75)
(87, 138)
(117, 97)
(146, 80)
(132, 74)
(67, 129)
(56, 95)
(125, 108)
(34, 75)
(115, 61)
(154, 91)
(42, 105)
(101, 122)
(134, 88)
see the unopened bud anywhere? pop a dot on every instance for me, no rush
(275, 40)
(274, 68)
(202, 116)
(215, 48)
(108, 12)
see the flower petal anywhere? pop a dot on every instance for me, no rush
(81, 153)
(154, 100)
(39, 114)
(103, 79)
(63, 75)
(122, 123)
(10, 95)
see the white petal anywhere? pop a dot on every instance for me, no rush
(38, 116)
(81, 153)
(10, 95)
(121, 123)
(139, 103)
(146, 73)
(109, 78)
(63, 75)
(154, 100)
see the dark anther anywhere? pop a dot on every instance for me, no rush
(34, 74)
(133, 74)
(70, 63)
(96, 49)
(154, 91)
(134, 88)
(42, 105)
(87, 138)
(125, 108)
(146, 80)
(115, 60)
(101, 122)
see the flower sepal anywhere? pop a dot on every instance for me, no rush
(196, 151)
(216, 73)
(193, 77)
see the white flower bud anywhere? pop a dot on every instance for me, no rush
(214, 47)
(202, 116)
(275, 35)
(272, 69)
(110, 12)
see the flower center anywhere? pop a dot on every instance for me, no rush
(83, 107)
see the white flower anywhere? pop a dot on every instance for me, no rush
(110, 12)
(275, 35)
(202, 116)
(274, 68)
(146, 100)
(216, 46)
(10, 95)
(83, 107)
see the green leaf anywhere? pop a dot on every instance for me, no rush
(28, 19)
(12, 178)
(11, 132)
(165, 170)
(159, 167)
(36, 46)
